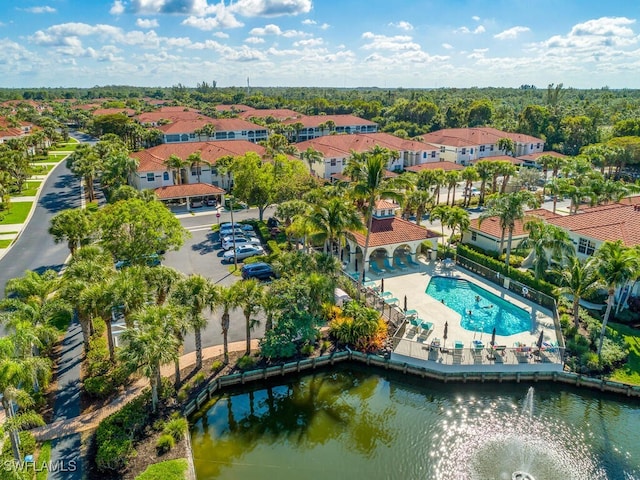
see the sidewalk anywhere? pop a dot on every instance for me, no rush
(90, 421)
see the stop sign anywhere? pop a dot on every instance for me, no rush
(218, 215)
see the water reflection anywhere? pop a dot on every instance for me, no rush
(352, 424)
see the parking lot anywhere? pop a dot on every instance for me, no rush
(202, 254)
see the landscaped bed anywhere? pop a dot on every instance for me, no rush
(17, 213)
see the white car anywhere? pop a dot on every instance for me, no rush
(227, 243)
(243, 252)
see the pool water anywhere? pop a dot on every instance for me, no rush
(481, 310)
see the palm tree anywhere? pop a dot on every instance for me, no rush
(549, 243)
(192, 294)
(86, 164)
(150, 343)
(311, 155)
(221, 296)
(440, 212)
(507, 170)
(332, 219)
(418, 202)
(451, 179)
(469, 175)
(578, 279)
(616, 264)
(248, 295)
(485, 170)
(73, 226)
(175, 165)
(509, 208)
(457, 219)
(194, 161)
(371, 185)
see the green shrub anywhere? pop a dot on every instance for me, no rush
(199, 378)
(325, 345)
(165, 443)
(273, 247)
(308, 349)
(215, 227)
(99, 386)
(245, 362)
(44, 456)
(176, 427)
(217, 366)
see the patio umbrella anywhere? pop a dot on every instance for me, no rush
(405, 303)
(493, 337)
(540, 339)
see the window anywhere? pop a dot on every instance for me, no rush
(464, 151)
(491, 148)
(586, 246)
(333, 162)
(474, 236)
(531, 147)
(443, 149)
(150, 177)
(537, 145)
(424, 154)
(196, 171)
(433, 154)
(165, 176)
(192, 135)
(482, 148)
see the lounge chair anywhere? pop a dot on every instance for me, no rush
(425, 327)
(411, 314)
(373, 266)
(412, 262)
(391, 301)
(413, 326)
(388, 265)
(398, 263)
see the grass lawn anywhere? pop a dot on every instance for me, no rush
(29, 189)
(630, 373)
(5, 243)
(44, 456)
(36, 169)
(169, 470)
(70, 146)
(17, 213)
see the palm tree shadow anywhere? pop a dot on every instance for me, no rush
(209, 245)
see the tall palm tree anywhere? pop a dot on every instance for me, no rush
(441, 213)
(311, 155)
(457, 219)
(332, 219)
(469, 175)
(74, 226)
(549, 243)
(509, 208)
(150, 343)
(225, 298)
(451, 179)
(194, 161)
(485, 170)
(175, 165)
(418, 202)
(371, 185)
(578, 279)
(248, 296)
(616, 264)
(86, 164)
(192, 294)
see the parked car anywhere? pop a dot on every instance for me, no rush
(272, 222)
(242, 226)
(260, 270)
(152, 260)
(211, 202)
(227, 232)
(243, 252)
(228, 243)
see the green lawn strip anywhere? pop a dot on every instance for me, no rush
(5, 243)
(169, 470)
(44, 457)
(630, 372)
(38, 169)
(29, 189)
(66, 147)
(18, 212)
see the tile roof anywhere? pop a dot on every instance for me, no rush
(344, 178)
(535, 156)
(7, 131)
(339, 120)
(151, 159)
(470, 137)
(491, 226)
(342, 145)
(391, 231)
(385, 204)
(220, 124)
(446, 166)
(617, 221)
(187, 190)
(501, 158)
(277, 113)
(171, 115)
(237, 108)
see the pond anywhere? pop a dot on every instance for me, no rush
(351, 423)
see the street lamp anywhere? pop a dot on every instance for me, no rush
(233, 233)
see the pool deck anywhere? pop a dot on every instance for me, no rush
(414, 346)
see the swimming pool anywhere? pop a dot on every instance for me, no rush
(481, 310)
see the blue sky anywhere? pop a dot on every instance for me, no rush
(333, 43)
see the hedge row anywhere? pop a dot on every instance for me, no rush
(524, 277)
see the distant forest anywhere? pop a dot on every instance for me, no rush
(566, 118)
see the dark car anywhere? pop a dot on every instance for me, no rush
(260, 270)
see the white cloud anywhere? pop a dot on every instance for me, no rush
(147, 23)
(475, 18)
(184, 7)
(384, 42)
(224, 19)
(308, 21)
(466, 30)
(325, 26)
(511, 33)
(272, 29)
(402, 25)
(117, 8)
(311, 42)
(478, 53)
(221, 35)
(254, 40)
(270, 8)
(43, 9)
(599, 37)
(447, 46)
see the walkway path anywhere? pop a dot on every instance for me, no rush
(63, 428)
